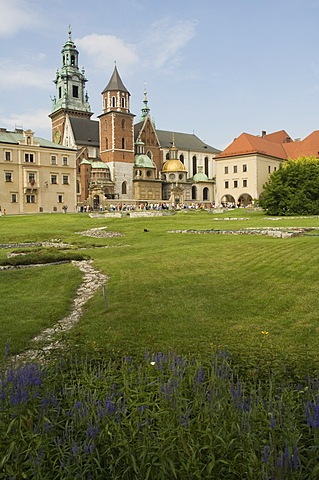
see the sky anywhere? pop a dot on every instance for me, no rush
(216, 68)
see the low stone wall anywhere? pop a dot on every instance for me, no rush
(269, 233)
(108, 215)
(151, 213)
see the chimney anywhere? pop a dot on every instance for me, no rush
(263, 133)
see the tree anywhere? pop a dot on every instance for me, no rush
(293, 189)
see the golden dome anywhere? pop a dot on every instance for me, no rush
(173, 165)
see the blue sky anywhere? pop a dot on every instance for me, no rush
(213, 67)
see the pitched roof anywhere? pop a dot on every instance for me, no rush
(183, 141)
(247, 144)
(16, 137)
(86, 131)
(115, 83)
(278, 145)
(278, 137)
(307, 147)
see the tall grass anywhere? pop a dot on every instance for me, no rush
(163, 417)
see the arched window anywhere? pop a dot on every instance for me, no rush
(181, 157)
(167, 156)
(205, 194)
(106, 143)
(194, 165)
(123, 123)
(149, 154)
(206, 167)
(194, 193)
(123, 143)
(113, 102)
(124, 189)
(123, 102)
(72, 60)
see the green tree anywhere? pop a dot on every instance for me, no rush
(293, 189)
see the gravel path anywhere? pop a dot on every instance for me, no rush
(46, 341)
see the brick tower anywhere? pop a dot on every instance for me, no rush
(117, 136)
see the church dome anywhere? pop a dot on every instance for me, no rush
(143, 160)
(173, 165)
(100, 165)
(200, 177)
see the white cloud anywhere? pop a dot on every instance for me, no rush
(103, 50)
(162, 47)
(16, 15)
(33, 119)
(165, 41)
(15, 74)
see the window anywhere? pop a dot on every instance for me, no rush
(181, 157)
(235, 183)
(194, 193)
(268, 168)
(13, 198)
(123, 123)
(244, 183)
(194, 165)
(7, 156)
(206, 167)
(75, 91)
(31, 177)
(235, 168)
(123, 143)
(106, 143)
(275, 168)
(148, 173)
(64, 160)
(244, 168)
(226, 170)
(28, 157)
(53, 160)
(54, 179)
(60, 198)
(65, 179)
(113, 102)
(124, 188)
(123, 102)
(8, 176)
(226, 184)
(60, 92)
(30, 198)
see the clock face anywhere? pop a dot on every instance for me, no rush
(57, 136)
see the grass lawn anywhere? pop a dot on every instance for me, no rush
(179, 292)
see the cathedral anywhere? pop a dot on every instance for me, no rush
(119, 161)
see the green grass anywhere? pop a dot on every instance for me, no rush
(34, 299)
(190, 292)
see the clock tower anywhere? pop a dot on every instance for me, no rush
(70, 99)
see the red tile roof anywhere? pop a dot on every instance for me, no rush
(277, 144)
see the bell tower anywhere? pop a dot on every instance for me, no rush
(70, 98)
(117, 135)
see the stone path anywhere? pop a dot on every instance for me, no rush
(46, 341)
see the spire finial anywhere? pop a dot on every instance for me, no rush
(69, 31)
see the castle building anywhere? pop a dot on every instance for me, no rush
(246, 164)
(36, 175)
(122, 161)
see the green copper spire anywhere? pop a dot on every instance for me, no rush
(70, 81)
(145, 109)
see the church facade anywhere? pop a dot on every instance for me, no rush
(118, 160)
